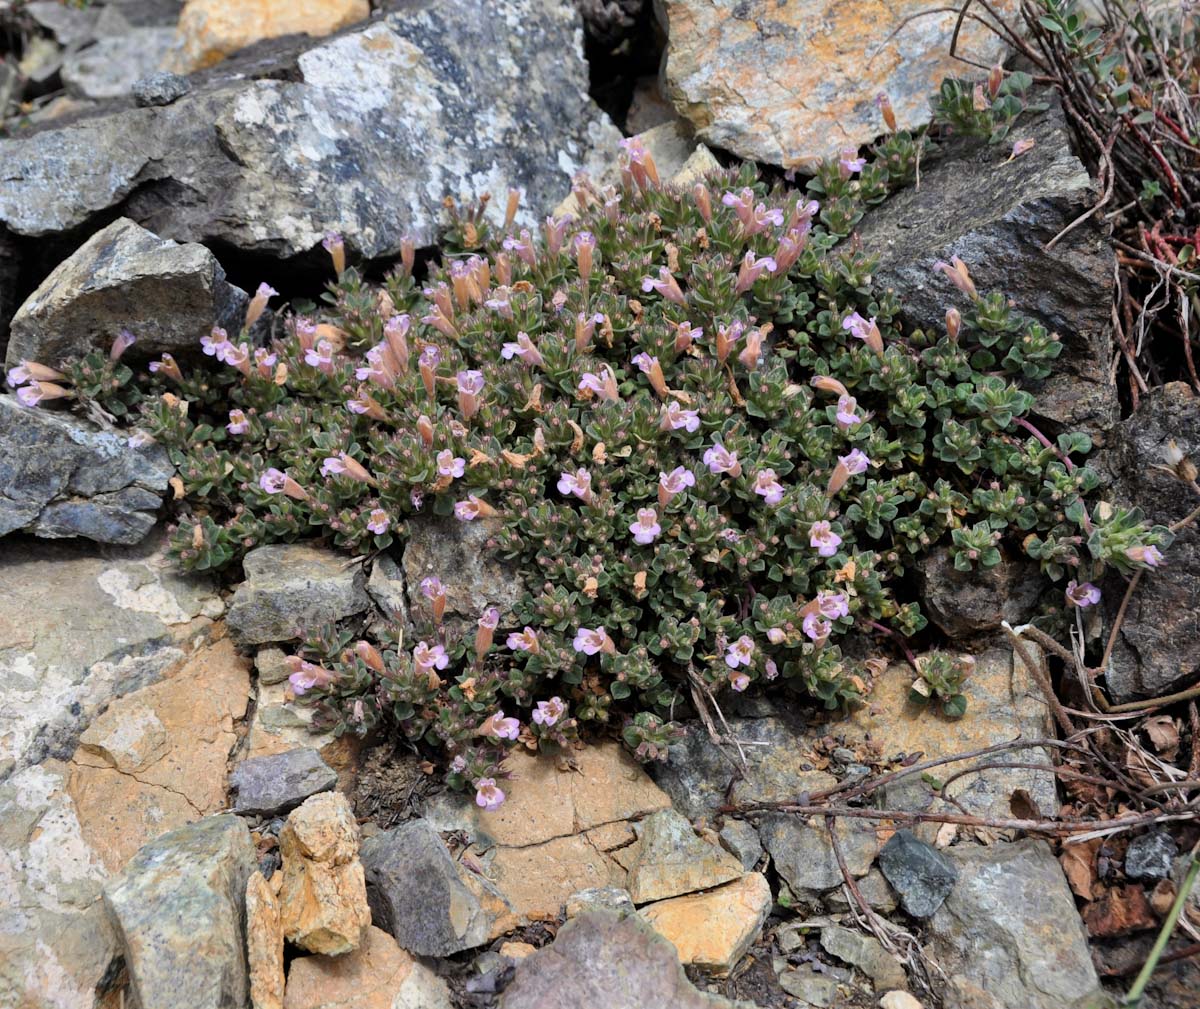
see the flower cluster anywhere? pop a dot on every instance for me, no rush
(705, 441)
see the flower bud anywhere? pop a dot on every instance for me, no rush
(425, 430)
(953, 323)
(703, 201)
(885, 107)
(827, 384)
(370, 655)
(510, 211)
(995, 79)
(408, 254)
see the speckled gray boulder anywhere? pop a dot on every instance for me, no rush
(160, 88)
(920, 874)
(279, 782)
(62, 477)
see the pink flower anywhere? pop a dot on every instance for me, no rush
(855, 462)
(776, 635)
(957, 273)
(489, 619)
(771, 670)
(1150, 556)
(488, 795)
(524, 641)
(603, 385)
(816, 628)
(675, 418)
(431, 587)
(20, 374)
(719, 459)
(1083, 596)
(823, 539)
(766, 484)
(585, 248)
(264, 361)
(524, 349)
(738, 681)
(35, 392)
(666, 285)
(846, 412)
(122, 343)
(752, 268)
(378, 521)
(1021, 147)
(336, 248)
(458, 764)
(578, 483)
(549, 712)
(522, 246)
(448, 464)
(472, 508)
(740, 653)
(238, 424)
(272, 481)
(333, 466)
(857, 326)
(320, 356)
(589, 642)
(429, 657)
(675, 482)
(646, 529)
(306, 676)
(832, 605)
(753, 217)
(217, 344)
(848, 164)
(645, 362)
(470, 385)
(500, 727)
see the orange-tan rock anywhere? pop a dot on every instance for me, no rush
(264, 941)
(210, 30)
(323, 898)
(792, 83)
(712, 930)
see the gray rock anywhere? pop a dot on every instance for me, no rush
(124, 277)
(146, 12)
(159, 88)
(671, 860)
(62, 477)
(811, 987)
(71, 26)
(997, 216)
(603, 960)
(803, 856)
(1150, 856)
(275, 784)
(740, 839)
(920, 874)
(109, 68)
(271, 665)
(1009, 935)
(10, 258)
(177, 909)
(457, 553)
(966, 604)
(292, 587)
(875, 890)
(386, 588)
(1156, 650)
(418, 894)
(867, 954)
(270, 153)
(599, 898)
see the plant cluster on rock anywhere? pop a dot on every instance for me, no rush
(687, 417)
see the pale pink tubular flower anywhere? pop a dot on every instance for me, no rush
(523, 247)
(336, 247)
(264, 362)
(306, 676)
(847, 415)
(448, 464)
(740, 652)
(488, 622)
(122, 343)
(827, 384)
(719, 459)
(473, 508)
(675, 418)
(306, 332)
(167, 366)
(767, 484)
(238, 424)
(673, 483)
(36, 392)
(753, 267)
(258, 305)
(320, 357)
(770, 669)
(1083, 596)
(855, 461)
(345, 465)
(32, 371)
(751, 355)
(440, 321)
(816, 628)
(666, 285)
(823, 539)
(378, 521)
(585, 328)
(470, 385)
(216, 344)
(585, 251)
(524, 349)
(790, 248)
(738, 681)
(646, 529)
(428, 657)
(865, 330)
(832, 605)
(237, 355)
(957, 273)
(776, 635)
(555, 231)
(499, 727)
(524, 641)
(578, 484)
(801, 217)
(1150, 556)
(395, 333)
(686, 335)
(366, 405)
(650, 367)
(592, 641)
(727, 336)
(488, 795)
(1022, 147)
(275, 481)
(849, 165)
(549, 712)
(603, 386)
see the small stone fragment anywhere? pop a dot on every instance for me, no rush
(275, 784)
(920, 874)
(899, 1000)
(804, 857)
(109, 67)
(271, 665)
(810, 987)
(160, 88)
(599, 898)
(713, 930)
(740, 839)
(1150, 856)
(866, 953)
(386, 588)
(324, 894)
(517, 950)
(672, 860)
(264, 943)
(876, 891)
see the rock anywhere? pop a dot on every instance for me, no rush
(602, 960)
(159, 88)
(457, 553)
(713, 930)
(210, 30)
(378, 975)
(177, 908)
(323, 899)
(997, 216)
(422, 896)
(866, 953)
(71, 26)
(271, 665)
(648, 107)
(146, 12)
(793, 83)
(124, 277)
(291, 587)
(671, 860)
(740, 839)
(264, 943)
(603, 898)
(920, 874)
(109, 67)
(156, 758)
(899, 1000)
(80, 625)
(1009, 934)
(56, 941)
(969, 603)
(246, 159)
(803, 856)
(810, 987)
(1150, 856)
(62, 477)
(270, 786)
(1155, 652)
(875, 890)
(517, 950)
(386, 588)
